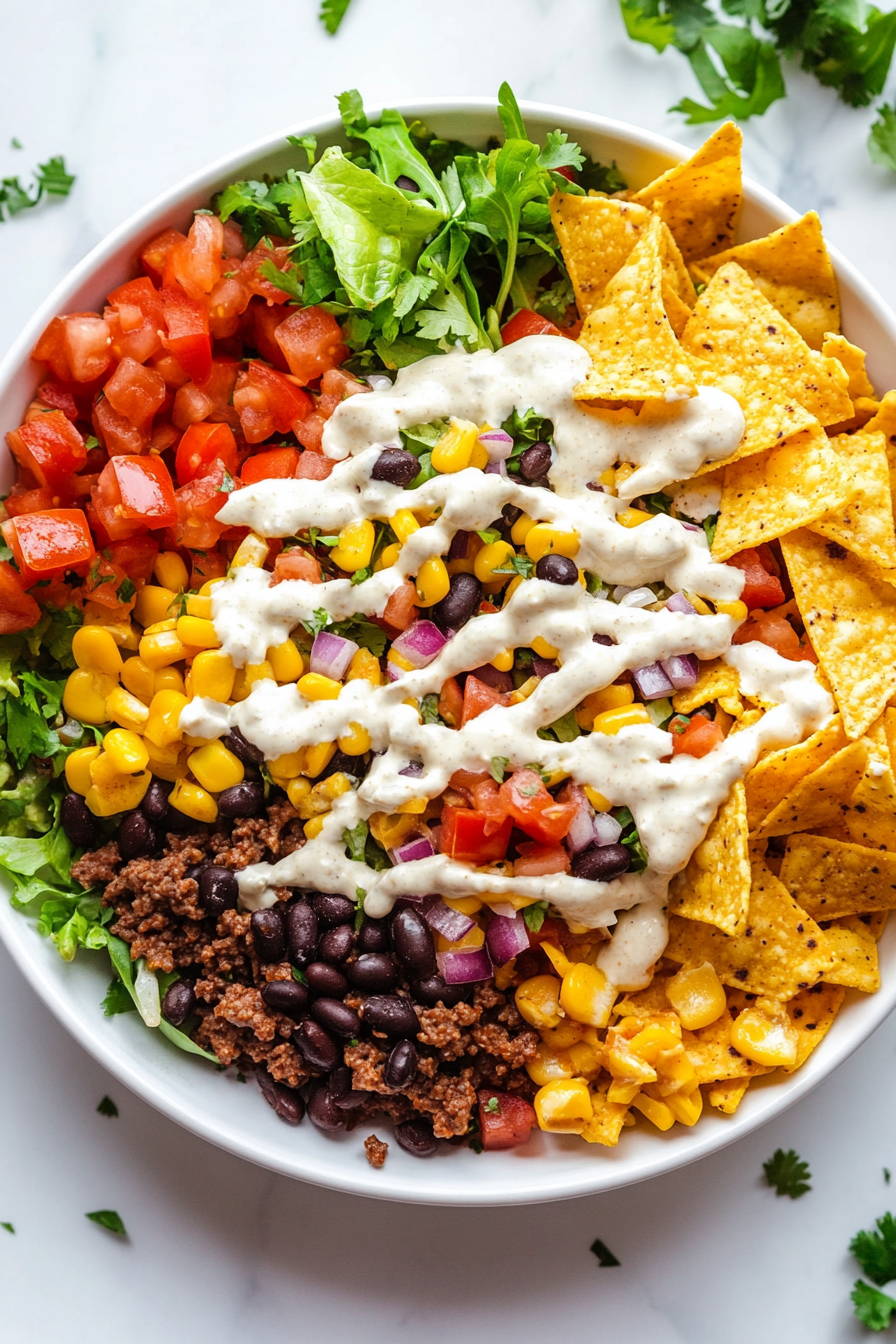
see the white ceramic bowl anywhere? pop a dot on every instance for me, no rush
(235, 1117)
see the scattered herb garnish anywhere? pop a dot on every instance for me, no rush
(108, 1219)
(492, 1106)
(605, 1257)
(50, 179)
(876, 1253)
(497, 768)
(332, 12)
(787, 1174)
(887, 1175)
(107, 1107)
(8, 1227)
(356, 840)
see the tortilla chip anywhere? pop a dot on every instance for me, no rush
(830, 879)
(818, 799)
(716, 681)
(778, 773)
(727, 1094)
(676, 309)
(781, 951)
(772, 493)
(645, 1002)
(849, 611)
(738, 342)
(865, 524)
(635, 351)
(812, 1011)
(853, 360)
(854, 949)
(700, 199)
(793, 270)
(715, 886)
(747, 719)
(885, 422)
(608, 1120)
(712, 1054)
(871, 818)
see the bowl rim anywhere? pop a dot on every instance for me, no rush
(590, 1176)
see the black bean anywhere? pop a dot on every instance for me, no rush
(391, 1014)
(77, 821)
(459, 603)
(373, 936)
(340, 764)
(336, 1017)
(301, 933)
(416, 1137)
(286, 1102)
(136, 838)
(325, 980)
(413, 941)
(374, 972)
(286, 996)
(333, 910)
(406, 183)
(535, 461)
(511, 514)
(176, 820)
(553, 568)
(395, 465)
(401, 1065)
(322, 1110)
(178, 1003)
(155, 799)
(343, 1093)
(218, 890)
(241, 800)
(336, 944)
(243, 750)
(459, 543)
(316, 1046)
(602, 863)
(433, 990)
(268, 934)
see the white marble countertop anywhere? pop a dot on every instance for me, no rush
(136, 96)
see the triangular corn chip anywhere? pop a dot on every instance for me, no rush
(830, 880)
(871, 817)
(709, 1050)
(864, 525)
(727, 1094)
(793, 270)
(677, 310)
(812, 1012)
(778, 774)
(853, 360)
(771, 493)
(715, 681)
(854, 950)
(818, 799)
(700, 199)
(715, 886)
(608, 1120)
(849, 611)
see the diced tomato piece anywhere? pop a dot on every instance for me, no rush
(200, 445)
(478, 698)
(272, 250)
(134, 493)
(526, 323)
(278, 464)
(268, 402)
(206, 565)
(136, 392)
(198, 504)
(191, 404)
(505, 1120)
(525, 798)
(773, 629)
(226, 303)
(195, 262)
(451, 703)
(539, 860)
(54, 540)
(218, 387)
(30, 501)
(314, 466)
(114, 431)
(310, 432)
(170, 370)
(188, 337)
(296, 564)
(140, 294)
(134, 317)
(260, 322)
(103, 584)
(698, 739)
(60, 398)
(154, 257)
(135, 556)
(761, 589)
(401, 610)
(569, 173)
(49, 447)
(76, 347)
(311, 341)
(555, 931)
(464, 836)
(18, 610)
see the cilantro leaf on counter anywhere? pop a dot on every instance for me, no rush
(787, 1174)
(875, 1252)
(108, 1219)
(605, 1257)
(50, 179)
(108, 1108)
(8, 1227)
(332, 12)
(882, 138)
(872, 1307)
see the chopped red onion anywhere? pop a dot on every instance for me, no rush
(490, 676)
(506, 938)
(651, 681)
(420, 643)
(690, 527)
(495, 469)
(502, 908)
(681, 669)
(331, 655)
(413, 768)
(393, 671)
(451, 924)
(580, 834)
(678, 602)
(498, 444)
(465, 966)
(458, 548)
(606, 829)
(412, 850)
(606, 640)
(543, 667)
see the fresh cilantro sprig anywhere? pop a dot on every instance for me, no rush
(50, 179)
(875, 1252)
(108, 1219)
(882, 138)
(332, 12)
(108, 1108)
(787, 1174)
(605, 1257)
(534, 914)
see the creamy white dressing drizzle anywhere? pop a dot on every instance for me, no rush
(673, 799)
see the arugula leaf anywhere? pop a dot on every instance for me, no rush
(355, 841)
(534, 915)
(882, 138)
(332, 12)
(108, 1219)
(606, 1258)
(108, 1108)
(872, 1307)
(789, 1175)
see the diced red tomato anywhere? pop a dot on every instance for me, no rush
(60, 398)
(195, 262)
(761, 589)
(55, 540)
(133, 494)
(18, 610)
(272, 250)
(218, 387)
(278, 464)
(311, 341)
(188, 337)
(102, 586)
(76, 347)
(539, 860)
(134, 316)
(198, 503)
(526, 323)
(136, 556)
(555, 931)
(260, 321)
(136, 392)
(451, 703)
(206, 565)
(114, 431)
(310, 432)
(464, 836)
(200, 445)
(773, 629)
(268, 402)
(296, 564)
(524, 797)
(30, 501)
(478, 698)
(401, 610)
(505, 1120)
(154, 257)
(313, 466)
(191, 404)
(49, 447)
(698, 739)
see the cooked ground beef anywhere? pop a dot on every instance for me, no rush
(376, 1150)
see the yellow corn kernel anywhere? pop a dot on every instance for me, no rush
(597, 800)
(289, 765)
(736, 610)
(521, 529)
(454, 450)
(85, 694)
(315, 686)
(414, 806)
(240, 689)
(388, 556)
(543, 648)
(215, 767)
(622, 1093)
(432, 581)
(161, 626)
(658, 1113)
(170, 571)
(586, 1058)
(399, 660)
(137, 678)
(598, 702)
(356, 741)
(213, 675)
(296, 790)
(94, 650)
(697, 995)
(765, 1034)
(557, 957)
(467, 905)
(315, 825)
(608, 479)
(479, 456)
(152, 604)
(545, 537)
(365, 666)
(653, 1042)
(548, 1065)
(586, 995)
(493, 556)
(633, 517)
(127, 711)
(474, 937)
(104, 770)
(355, 546)
(209, 587)
(333, 787)
(163, 725)
(168, 679)
(162, 649)
(126, 751)
(77, 768)
(199, 606)
(523, 692)
(613, 721)
(190, 740)
(318, 758)
(404, 524)
(197, 633)
(565, 1034)
(686, 1107)
(563, 1106)
(252, 550)
(504, 661)
(286, 661)
(256, 672)
(121, 794)
(193, 801)
(391, 830)
(538, 1000)
(167, 762)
